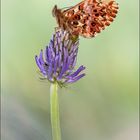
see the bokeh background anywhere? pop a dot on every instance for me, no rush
(101, 106)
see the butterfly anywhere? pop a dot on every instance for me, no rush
(87, 18)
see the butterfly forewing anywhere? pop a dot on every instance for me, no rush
(88, 17)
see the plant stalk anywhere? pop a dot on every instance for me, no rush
(54, 104)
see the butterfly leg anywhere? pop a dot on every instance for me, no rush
(57, 29)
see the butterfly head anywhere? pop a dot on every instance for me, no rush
(55, 11)
(57, 14)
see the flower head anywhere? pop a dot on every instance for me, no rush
(58, 60)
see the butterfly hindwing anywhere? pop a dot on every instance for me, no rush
(88, 18)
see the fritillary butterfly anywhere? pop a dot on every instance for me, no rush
(87, 18)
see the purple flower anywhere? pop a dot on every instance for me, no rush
(58, 60)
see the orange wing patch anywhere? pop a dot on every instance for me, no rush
(87, 18)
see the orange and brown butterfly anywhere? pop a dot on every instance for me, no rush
(87, 18)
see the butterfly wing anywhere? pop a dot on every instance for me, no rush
(90, 17)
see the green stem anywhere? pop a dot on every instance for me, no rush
(55, 121)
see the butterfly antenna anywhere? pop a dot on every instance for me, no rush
(65, 8)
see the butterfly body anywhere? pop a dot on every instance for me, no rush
(87, 18)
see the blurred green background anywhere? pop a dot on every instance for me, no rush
(101, 106)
